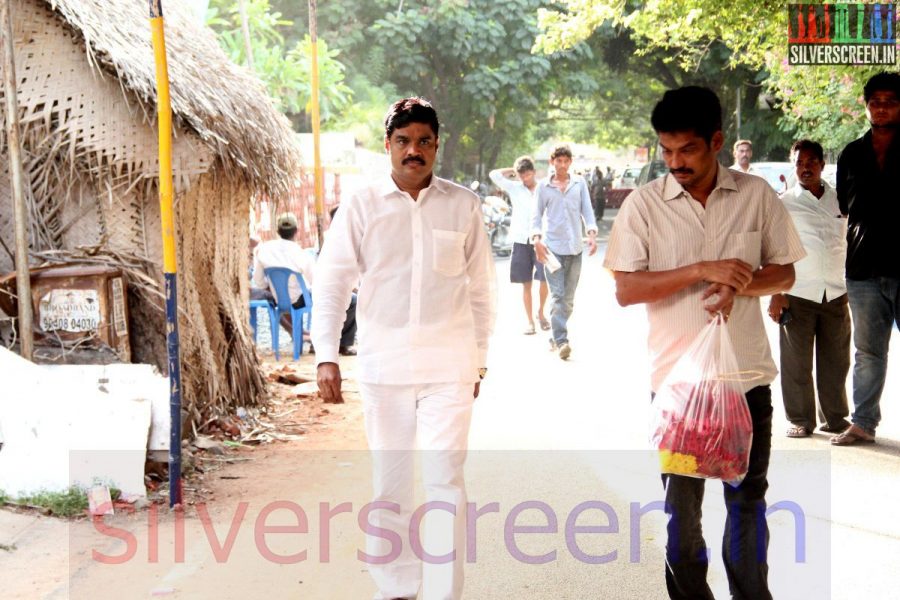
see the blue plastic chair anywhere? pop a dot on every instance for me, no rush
(254, 306)
(279, 277)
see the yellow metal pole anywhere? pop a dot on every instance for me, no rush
(318, 178)
(170, 264)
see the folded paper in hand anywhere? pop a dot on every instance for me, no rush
(552, 263)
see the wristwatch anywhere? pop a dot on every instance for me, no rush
(482, 372)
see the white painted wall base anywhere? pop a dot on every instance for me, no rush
(76, 424)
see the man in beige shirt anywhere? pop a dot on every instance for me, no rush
(701, 240)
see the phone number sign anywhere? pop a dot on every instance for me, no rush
(70, 310)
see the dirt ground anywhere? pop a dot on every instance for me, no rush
(296, 422)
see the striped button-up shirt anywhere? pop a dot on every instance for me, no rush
(557, 215)
(660, 227)
(426, 300)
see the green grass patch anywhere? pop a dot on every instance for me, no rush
(3, 497)
(70, 503)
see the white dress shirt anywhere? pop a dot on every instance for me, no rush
(823, 232)
(283, 253)
(427, 291)
(522, 204)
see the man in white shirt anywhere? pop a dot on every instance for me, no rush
(519, 183)
(815, 312)
(416, 244)
(283, 251)
(743, 152)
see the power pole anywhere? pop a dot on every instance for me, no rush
(318, 178)
(17, 180)
(245, 30)
(737, 114)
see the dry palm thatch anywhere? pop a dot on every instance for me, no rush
(221, 102)
(90, 156)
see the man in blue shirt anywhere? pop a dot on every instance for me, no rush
(562, 202)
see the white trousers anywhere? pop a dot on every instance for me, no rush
(439, 415)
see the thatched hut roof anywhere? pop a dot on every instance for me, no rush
(224, 104)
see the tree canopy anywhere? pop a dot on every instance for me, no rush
(507, 75)
(821, 102)
(284, 67)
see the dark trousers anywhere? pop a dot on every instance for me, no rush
(824, 326)
(746, 539)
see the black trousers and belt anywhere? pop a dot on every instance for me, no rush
(746, 540)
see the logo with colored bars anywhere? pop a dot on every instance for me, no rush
(842, 34)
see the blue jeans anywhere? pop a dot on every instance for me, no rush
(562, 284)
(873, 304)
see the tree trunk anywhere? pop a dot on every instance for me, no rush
(245, 32)
(492, 156)
(450, 144)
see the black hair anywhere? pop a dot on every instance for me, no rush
(814, 147)
(561, 150)
(882, 82)
(690, 108)
(287, 232)
(523, 163)
(410, 110)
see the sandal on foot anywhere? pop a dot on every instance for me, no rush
(798, 431)
(529, 330)
(852, 436)
(545, 324)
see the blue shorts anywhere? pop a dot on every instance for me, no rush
(523, 266)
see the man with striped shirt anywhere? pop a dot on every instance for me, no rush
(701, 240)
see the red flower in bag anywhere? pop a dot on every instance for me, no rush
(702, 425)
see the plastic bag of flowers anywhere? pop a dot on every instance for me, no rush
(700, 421)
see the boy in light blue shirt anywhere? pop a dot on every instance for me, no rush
(562, 203)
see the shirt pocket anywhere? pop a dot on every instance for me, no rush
(746, 246)
(449, 256)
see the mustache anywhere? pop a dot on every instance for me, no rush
(413, 159)
(681, 171)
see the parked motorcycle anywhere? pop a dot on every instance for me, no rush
(497, 216)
